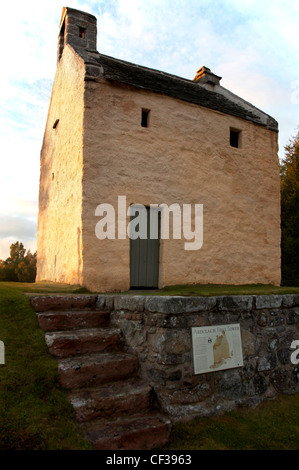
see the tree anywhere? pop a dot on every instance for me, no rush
(19, 266)
(289, 172)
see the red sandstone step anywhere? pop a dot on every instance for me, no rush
(113, 399)
(144, 432)
(67, 320)
(95, 369)
(44, 303)
(88, 340)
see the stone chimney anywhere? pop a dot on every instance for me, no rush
(205, 76)
(77, 28)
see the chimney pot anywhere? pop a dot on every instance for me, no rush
(204, 75)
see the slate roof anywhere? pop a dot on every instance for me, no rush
(99, 66)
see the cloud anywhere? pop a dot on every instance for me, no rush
(19, 168)
(17, 228)
(21, 227)
(20, 207)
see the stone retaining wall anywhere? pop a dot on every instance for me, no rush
(158, 329)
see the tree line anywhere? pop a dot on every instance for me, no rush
(289, 187)
(21, 265)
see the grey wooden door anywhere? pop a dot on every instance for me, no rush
(144, 252)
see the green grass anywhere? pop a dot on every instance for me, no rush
(185, 290)
(273, 425)
(219, 289)
(35, 413)
(45, 287)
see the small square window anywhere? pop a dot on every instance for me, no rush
(145, 117)
(235, 138)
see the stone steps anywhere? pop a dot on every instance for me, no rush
(96, 368)
(114, 408)
(138, 432)
(62, 302)
(112, 399)
(88, 340)
(68, 320)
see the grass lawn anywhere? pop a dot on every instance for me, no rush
(45, 287)
(34, 411)
(36, 415)
(273, 425)
(216, 289)
(186, 290)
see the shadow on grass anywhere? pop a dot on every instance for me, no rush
(273, 425)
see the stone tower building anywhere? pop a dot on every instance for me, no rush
(120, 129)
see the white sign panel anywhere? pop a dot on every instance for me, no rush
(216, 348)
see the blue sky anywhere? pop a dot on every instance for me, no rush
(252, 44)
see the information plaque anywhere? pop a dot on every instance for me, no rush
(216, 348)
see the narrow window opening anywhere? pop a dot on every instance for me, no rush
(81, 32)
(145, 117)
(52, 176)
(235, 138)
(55, 124)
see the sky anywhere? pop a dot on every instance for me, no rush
(252, 44)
